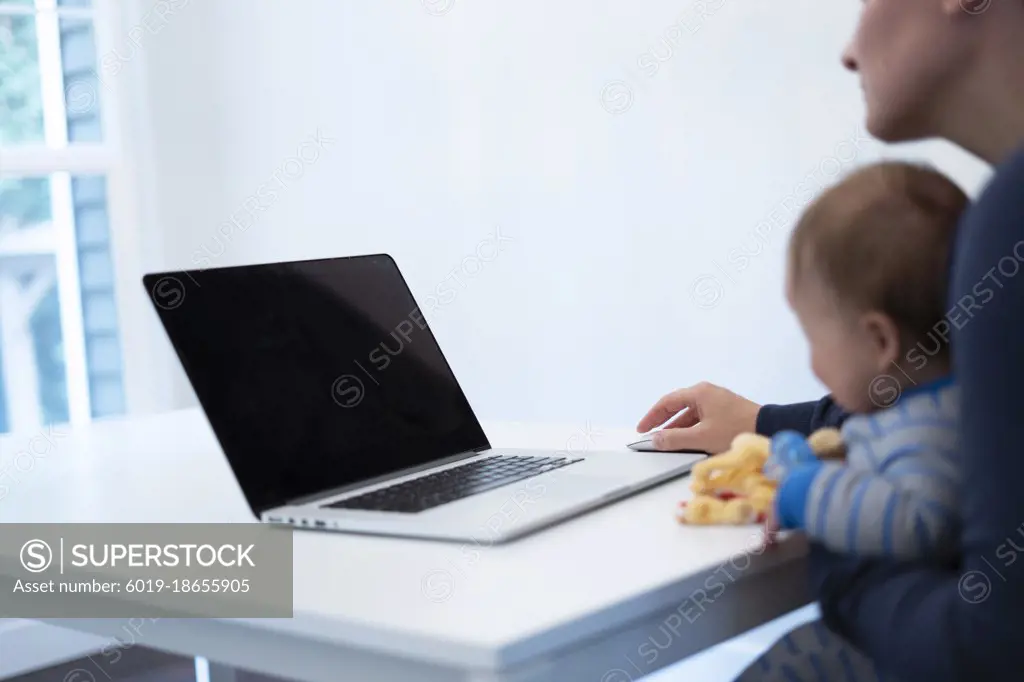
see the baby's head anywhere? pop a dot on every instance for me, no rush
(867, 276)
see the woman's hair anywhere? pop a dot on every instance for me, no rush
(881, 240)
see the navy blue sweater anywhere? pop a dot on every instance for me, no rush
(919, 621)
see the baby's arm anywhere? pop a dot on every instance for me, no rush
(904, 507)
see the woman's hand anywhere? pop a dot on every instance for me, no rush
(702, 417)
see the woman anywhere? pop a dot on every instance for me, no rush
(952, 69)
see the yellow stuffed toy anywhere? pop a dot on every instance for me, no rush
(731, 488)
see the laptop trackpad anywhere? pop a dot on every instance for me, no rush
(570, 487)
(509, 508)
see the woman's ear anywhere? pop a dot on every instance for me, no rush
(884, 337)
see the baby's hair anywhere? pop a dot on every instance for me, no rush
(880, 240)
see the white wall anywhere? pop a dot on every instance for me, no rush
(451, 118)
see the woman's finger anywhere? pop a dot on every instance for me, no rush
(692, 438)
(689, 417)
(666, 408)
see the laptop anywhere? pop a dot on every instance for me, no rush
(337, 410)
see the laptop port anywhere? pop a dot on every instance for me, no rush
(321, 524)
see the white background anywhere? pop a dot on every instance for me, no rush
(454, 118)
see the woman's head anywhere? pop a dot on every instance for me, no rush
(941, 68)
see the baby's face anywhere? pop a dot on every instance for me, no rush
(847, 353)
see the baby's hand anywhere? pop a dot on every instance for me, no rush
(789, 449)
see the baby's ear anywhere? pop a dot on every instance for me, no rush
(827, 444)
(885, 338)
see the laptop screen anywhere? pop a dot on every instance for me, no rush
(315, 374)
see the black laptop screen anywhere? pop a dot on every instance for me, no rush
(314, 375)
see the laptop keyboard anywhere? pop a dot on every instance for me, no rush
(453, 484)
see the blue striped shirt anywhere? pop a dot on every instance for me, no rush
(897, 494)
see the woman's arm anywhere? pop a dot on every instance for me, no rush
(802, 417)
(927, 623)
(708, 417)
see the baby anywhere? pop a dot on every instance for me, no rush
(866, 278)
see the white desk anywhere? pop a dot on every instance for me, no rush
(610, 596)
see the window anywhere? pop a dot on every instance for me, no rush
(60, 341)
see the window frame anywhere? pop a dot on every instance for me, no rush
(121, 158)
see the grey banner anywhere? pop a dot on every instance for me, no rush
(136, 570)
